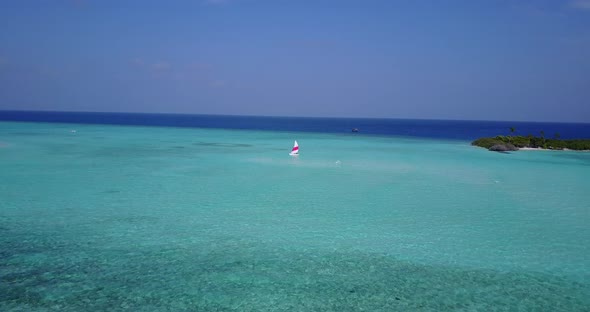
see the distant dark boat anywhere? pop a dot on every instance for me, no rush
(355, 129)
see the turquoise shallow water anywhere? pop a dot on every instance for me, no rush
(151, 219)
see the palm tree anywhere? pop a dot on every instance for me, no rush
(557, 135)
(511, 133)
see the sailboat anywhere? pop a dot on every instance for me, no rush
(295, 150)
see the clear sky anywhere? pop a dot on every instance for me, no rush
(494, 60)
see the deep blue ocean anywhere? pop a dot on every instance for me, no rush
(443, 129)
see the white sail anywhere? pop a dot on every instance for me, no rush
(295, 150)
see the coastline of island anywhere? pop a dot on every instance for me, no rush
(508, 143)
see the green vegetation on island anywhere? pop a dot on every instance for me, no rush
(513, 143)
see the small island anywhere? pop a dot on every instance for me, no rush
(506, 143)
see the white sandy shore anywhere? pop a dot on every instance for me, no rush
(546, 149)
(533, 149)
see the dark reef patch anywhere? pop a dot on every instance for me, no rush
(111, 192)
(216, 144)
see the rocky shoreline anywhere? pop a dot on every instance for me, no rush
(514, 143)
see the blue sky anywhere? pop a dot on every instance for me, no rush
(491, 60)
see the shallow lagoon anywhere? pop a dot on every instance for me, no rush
(146, 219)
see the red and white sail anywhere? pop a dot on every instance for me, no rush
(295, 150)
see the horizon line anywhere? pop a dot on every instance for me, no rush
(283, 116)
